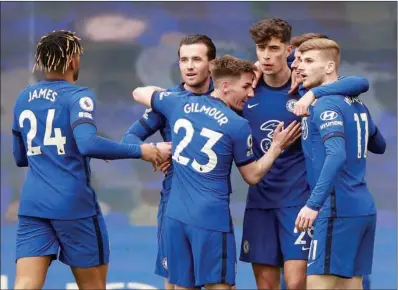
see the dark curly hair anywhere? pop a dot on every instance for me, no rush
(264, 30)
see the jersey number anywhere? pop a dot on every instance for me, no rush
(58, 140)
(212, 136)
(364, 118)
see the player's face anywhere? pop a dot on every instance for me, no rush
(295, 64)
(194, 64)
(239, 91)
(272, 56)
(313, 68)
(75, 66)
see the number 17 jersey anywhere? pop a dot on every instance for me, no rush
(57, 184)
(207, 136)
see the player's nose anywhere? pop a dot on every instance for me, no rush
(250, 94)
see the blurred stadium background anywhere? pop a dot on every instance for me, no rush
(128, 44)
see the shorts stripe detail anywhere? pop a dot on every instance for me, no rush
(99, 241)
(333, 207)
(328, 246)
(224, 258)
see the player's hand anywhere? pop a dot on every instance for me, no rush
(296, 81)
(165, 150)
(151, 154)
(305, 219)
(165, 166)
(258, 74)
(283, 138)
(302, 105)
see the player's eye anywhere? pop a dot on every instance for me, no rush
(261, 47)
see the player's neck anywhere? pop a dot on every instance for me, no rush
(330, 79)
(278, 79)
(59, 76)
(200, 89)
(218, 95)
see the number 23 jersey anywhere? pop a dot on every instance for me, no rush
(57, 184)
(207, 136)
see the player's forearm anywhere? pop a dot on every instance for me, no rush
(351, 86)
(264, 164)
(377, 143)
(94, 146)
(334, 161)
(19, 151)
(136, 134)
(143, 95)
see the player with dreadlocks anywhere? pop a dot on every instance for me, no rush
(55, 136)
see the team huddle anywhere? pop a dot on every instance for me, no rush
(298, 133)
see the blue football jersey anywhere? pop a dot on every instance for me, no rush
(285, 184)
(349, 118)
(57, 184)
(207, 136)
(153, 122)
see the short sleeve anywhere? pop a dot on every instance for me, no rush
(243, 143)
(82, 108)
(372, 126)
(165, 102)
(15, 125)
(328, 119)
(151, 121)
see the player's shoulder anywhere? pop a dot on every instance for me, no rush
(331, 101)
(176, 89)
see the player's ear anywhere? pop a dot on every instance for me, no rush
(73, 63)
(289, 50)
(225, 87)
(330, 67)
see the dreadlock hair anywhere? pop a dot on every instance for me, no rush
(55, 50)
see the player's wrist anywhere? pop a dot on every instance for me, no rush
(312, 206)
(275, 150)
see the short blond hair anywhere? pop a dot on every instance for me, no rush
(230, 66)
(329, 47)
(300, 39)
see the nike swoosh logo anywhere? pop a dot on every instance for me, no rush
(251, 106)
(309, 264)
(305, 249)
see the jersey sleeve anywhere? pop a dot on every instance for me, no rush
(376, 143)
(82, 108)
(165, 102)
(345, 86)
(243, 143)
(328, 118)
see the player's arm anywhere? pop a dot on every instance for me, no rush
(332, 133)
(160, 101)
(145, 127)
(82, 118)
(143, 95)
(18, 145)
(253, 170)
(345, 86)
(376, 143)
(329, 120)
(19, 150)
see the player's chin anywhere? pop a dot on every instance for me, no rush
(307, 83)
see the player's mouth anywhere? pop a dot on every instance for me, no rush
(268, 66)
(191, 75)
